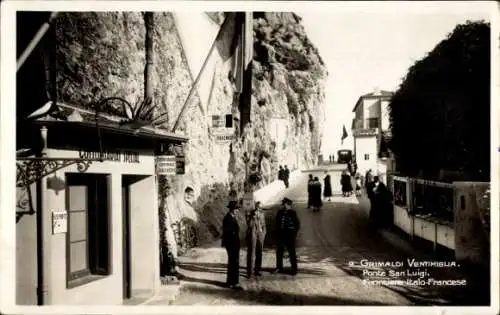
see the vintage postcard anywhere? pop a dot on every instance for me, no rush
(177, 157)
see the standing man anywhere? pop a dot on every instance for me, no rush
(281, 174)
(231, 241)
(287, 227)
(287, 176)
(256, 233)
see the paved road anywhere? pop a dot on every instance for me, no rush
(331, 246)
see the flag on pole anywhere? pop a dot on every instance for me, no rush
(344, 134)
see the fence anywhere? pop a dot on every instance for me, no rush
(444, 214)
(424, 209)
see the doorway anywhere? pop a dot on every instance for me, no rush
(126, 237)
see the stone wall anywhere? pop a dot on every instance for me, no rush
(102, 54)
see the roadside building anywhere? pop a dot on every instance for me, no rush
(94, 217)
(371, 133)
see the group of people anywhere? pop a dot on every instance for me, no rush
(284, 175)
(287, 227)
(314, 190)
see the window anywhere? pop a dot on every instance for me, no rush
(372, 122)
(367, 157)
(87, 238)
(229, 121)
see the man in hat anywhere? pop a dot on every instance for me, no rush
(287, 227)
(256, 233)
(231, 241)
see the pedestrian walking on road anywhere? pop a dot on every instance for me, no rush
(317, 200)
(231, 241)
(286, 176)
(309, 191)
(256, 233)
(380, 210)
(345, 182)
(281, 175)
(327, 192)
(368, 180)
(287, 227)
(358, 184)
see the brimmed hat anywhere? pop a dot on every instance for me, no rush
(287, 201)
(233, 204)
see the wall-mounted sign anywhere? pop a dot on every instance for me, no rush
(166, 165)
(180, 163)
(222, 121)
(59, 222)
(248, 201)
(365, 132)
(223, 135)
(114, 156)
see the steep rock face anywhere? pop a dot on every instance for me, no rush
(102, 54)
(288, 83)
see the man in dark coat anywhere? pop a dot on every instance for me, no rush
(327, 192)
(286, 172)
(381, 210)
(281, 174)
(310, 191)
(287, 227)
(231, 241)
(256, 233)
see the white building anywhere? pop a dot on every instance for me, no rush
(370, 129)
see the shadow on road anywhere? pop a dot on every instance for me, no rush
(268, 297)
(220, 268)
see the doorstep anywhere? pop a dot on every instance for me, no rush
(165, 295)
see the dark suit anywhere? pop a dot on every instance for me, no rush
(231, 241)
(287, 227)
(256, 233)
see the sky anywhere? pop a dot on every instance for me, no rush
(373, 48)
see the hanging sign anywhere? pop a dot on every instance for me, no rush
(180, 163)
(166, 165)
(59, 222)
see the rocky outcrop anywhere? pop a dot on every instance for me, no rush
(288, 83)
(102, 54)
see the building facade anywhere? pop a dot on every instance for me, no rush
(370, 130)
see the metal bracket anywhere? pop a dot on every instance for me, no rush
(29, 170)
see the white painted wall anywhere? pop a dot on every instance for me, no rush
(385, 115)
(143, 242)
(26, 245)
(366, 145)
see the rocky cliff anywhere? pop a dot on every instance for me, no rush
(102, 54)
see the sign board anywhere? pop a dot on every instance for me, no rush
(222, 135)
(112, 156)
(248, 202)
(365, 132)
(180, 163)
(166, 165)
(59, 222)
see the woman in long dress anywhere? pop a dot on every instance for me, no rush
(310, 191)
(317, 200)
(327, 192)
